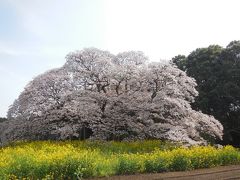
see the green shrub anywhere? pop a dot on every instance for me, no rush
(159, 164)
(128, 164)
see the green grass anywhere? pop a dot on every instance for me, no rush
(78, 159)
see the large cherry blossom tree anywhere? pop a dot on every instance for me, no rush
(98, 95)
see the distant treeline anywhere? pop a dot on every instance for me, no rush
(2, 119)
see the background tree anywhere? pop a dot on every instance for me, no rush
(180, 61)
(101, 96)
(217, 72)
(2, 119)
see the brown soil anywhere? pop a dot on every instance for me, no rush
(217, 173)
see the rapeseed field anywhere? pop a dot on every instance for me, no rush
(82, 159)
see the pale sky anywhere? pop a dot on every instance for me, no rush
(36, 35)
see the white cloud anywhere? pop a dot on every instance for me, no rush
(11, 51)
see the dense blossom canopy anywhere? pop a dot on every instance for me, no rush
(99, 95)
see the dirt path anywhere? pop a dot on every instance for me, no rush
(217, 173)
